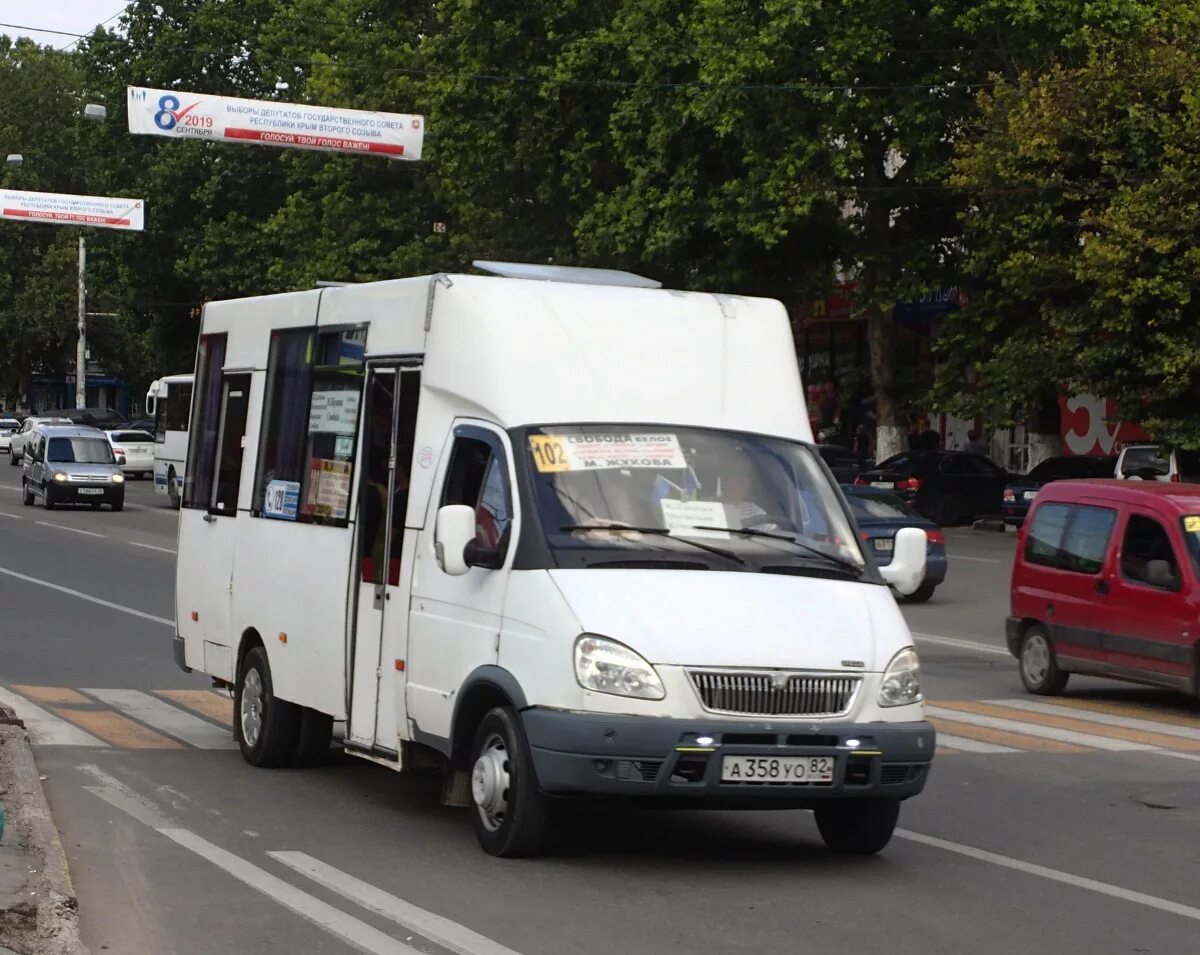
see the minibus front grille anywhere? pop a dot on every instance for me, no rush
(775, 693)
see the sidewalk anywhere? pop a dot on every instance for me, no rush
(38, 909)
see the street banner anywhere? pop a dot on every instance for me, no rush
(52, 208)
(180, 115)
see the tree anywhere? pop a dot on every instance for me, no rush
(1084, 229)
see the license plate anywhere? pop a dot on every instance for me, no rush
(887, 484)
(1030, 495)
(884, 543)
(777, 769)
(91, 490)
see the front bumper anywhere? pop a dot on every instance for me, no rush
(580, 754)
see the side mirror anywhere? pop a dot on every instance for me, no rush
(476, 555)
(455, 530)
(120, 459)
(906, 570)
(1159, 573)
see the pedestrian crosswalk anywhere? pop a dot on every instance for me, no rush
(173, 719)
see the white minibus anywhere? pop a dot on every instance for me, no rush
(559, 530)
(169, 403)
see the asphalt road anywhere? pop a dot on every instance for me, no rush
(1065, 831)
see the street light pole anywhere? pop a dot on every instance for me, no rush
(81, 344)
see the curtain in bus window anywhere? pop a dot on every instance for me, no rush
(202, 449)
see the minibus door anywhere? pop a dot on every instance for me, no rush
(381, 615)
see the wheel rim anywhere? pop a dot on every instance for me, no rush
(490, 782)
(252, 706)
(1035, 658)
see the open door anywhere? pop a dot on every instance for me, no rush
(381, 614)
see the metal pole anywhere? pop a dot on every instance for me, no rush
(81, 345)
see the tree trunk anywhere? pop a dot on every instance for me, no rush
(891, 432)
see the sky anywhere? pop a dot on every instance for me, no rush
(73, 16)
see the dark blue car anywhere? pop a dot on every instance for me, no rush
(1020, 494)
(879, 515)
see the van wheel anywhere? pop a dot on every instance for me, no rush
(858, 826)
(26, 494)
(313, 738)
(921, 594)
(266, 727)
(47, 498)
(1039, 664)
(12, 457)
(172, 489)
(511, 815)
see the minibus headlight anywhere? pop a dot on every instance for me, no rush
(118, 478)
(609, 667)
(901, 683)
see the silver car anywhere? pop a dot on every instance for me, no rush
(21, 437)
(71, 465)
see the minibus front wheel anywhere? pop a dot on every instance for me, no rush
(510, 813)
(266, 727)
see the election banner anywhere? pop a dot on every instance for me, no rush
(52, 208)
(194, 116)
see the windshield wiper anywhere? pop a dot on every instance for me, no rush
(751, 532)
(657, 532)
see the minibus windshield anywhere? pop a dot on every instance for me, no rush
(674, 488)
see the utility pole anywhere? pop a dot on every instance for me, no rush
(81, 344)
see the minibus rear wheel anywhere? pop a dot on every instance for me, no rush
(266, 727)
(510, 814)
(858, 826)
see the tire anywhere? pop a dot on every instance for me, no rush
(272, 725)
(944, 513)
(1038, 664)
(859, 827)
(12, 457)
(26, 494)
(47, 499)
(117, 505)
(921, 594)
(510, 814)
(172, 489)
(313, 737)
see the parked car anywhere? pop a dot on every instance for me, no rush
(1019, 495)
(1106, 582)
(103, 418)
(948, 487)
(843, 462)
(66, 464)
(7, 427)
(879, 514)
(141, 424)
(1154, 462)
(134, 452)
(16, 443)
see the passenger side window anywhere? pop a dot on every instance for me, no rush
(1070, 538)
(200, 472)
(478, 478)
(1147, 556)
(1043, 545)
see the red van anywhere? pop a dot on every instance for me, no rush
(1106, 581)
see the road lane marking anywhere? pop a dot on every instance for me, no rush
(978, 560)
(961, 644)
(163, 716)
(15, 517)
(64, 527)
(334, 921)
(46, 729)
(116, 730)
(1083, 726)
(1004, 738)
(163, 550)
(441, 931)
(215, 706)
(88, 597)
(1107, 719)
(50, 694)
(117, 794)
(1127, 709)
(1055, 875)
(966, 713)
(967, 745)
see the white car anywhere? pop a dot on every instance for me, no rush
(1153, 462)
(134, 451)
(17, 440)
(7, 427)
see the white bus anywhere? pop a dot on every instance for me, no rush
(169, 403)
(567, 537)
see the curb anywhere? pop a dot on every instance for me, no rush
(57, 906)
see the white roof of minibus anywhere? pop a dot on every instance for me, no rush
(522, 352)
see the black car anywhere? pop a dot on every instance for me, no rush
(948, 487)
(1019, 495)
(843, 462)
(106, 419)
